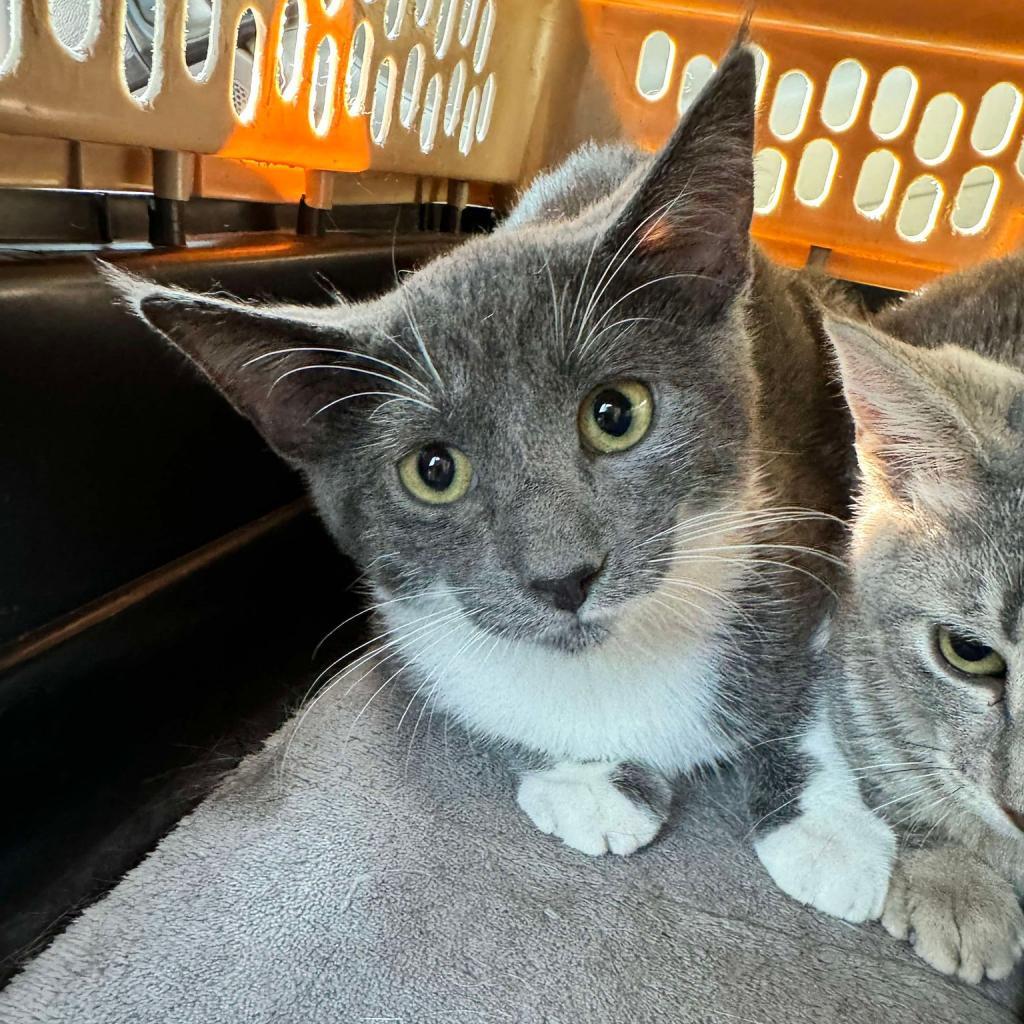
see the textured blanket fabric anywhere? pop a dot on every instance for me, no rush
(370, 876)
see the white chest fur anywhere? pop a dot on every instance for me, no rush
(654, 705)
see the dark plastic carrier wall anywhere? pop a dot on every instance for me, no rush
(115, 456)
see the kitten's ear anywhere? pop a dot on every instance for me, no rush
(690, 213)
(264, 359)
(912, 435)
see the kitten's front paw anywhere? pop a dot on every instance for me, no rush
(597, 807)
(838, 864)
(959, 915)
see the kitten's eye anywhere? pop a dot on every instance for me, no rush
(969, 656)
(613, 417)
(437, 474)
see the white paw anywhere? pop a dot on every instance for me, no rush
(838, 864)
(580, 804)
(960, 916)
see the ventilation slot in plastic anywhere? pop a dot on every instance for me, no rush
(761, 63)
(197, 40)
(975, 200)
(467, 21)
(769, 177)
(790, 106)
(445, 28)
(483, 37)
(483, 120)
(938, 129)
(654, 68)
(7, 41)
(321, 95)
(383, 100)
(997, 117)
(394, 13)
(454, 105)
(431, 113)
(136, 49)
(290, 49)
(73, 24)
(876, 184)
(816, 171)
(843, 95)
(412, 84)
(894, 100)
(920, 210)
(357, 76)
(245, 85)
(424, 8)
(695, 76)
(469, 120)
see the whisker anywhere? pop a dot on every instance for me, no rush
(346, 368)
(740, 518)
(441, 617)
(371, 394)
(414, 327)
(347, 353)
(453, 625)
(604, 281)
(384, 604)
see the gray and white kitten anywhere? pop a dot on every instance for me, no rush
(587, 463)
(924, 675)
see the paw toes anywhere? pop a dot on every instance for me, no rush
(895, 919)
(582, 807)
(538, 810)
(858, 913)
(592, 846)
(971, 970)
(624, 843)
(939, 948)
(875, 910)
(1002, 966)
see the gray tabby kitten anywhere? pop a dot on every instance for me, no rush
(586, 462)
(927, 653)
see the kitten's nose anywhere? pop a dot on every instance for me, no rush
(567, 593)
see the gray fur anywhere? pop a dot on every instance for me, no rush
(592, 174)
(643, 787)
(938, 541)
(1015, 417)
(980, 309)
(616, 266)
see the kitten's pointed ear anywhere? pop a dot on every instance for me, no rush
(912, 436)
(263, 359)
(690, 214)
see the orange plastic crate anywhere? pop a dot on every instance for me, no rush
(890, 135)
(895, 184)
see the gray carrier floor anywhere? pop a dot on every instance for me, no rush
(372, 875)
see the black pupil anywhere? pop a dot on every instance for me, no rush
(613, 412)
(968, 649)
(436, 467)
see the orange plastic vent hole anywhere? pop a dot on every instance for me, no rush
(844, 95)
(997, 119)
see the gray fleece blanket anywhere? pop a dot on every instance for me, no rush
(372, 876)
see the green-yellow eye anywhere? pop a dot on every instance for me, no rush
(969, 656)
(437, 474)
(613, 417)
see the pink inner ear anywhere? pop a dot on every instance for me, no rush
(658, 236)
(866, 417)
